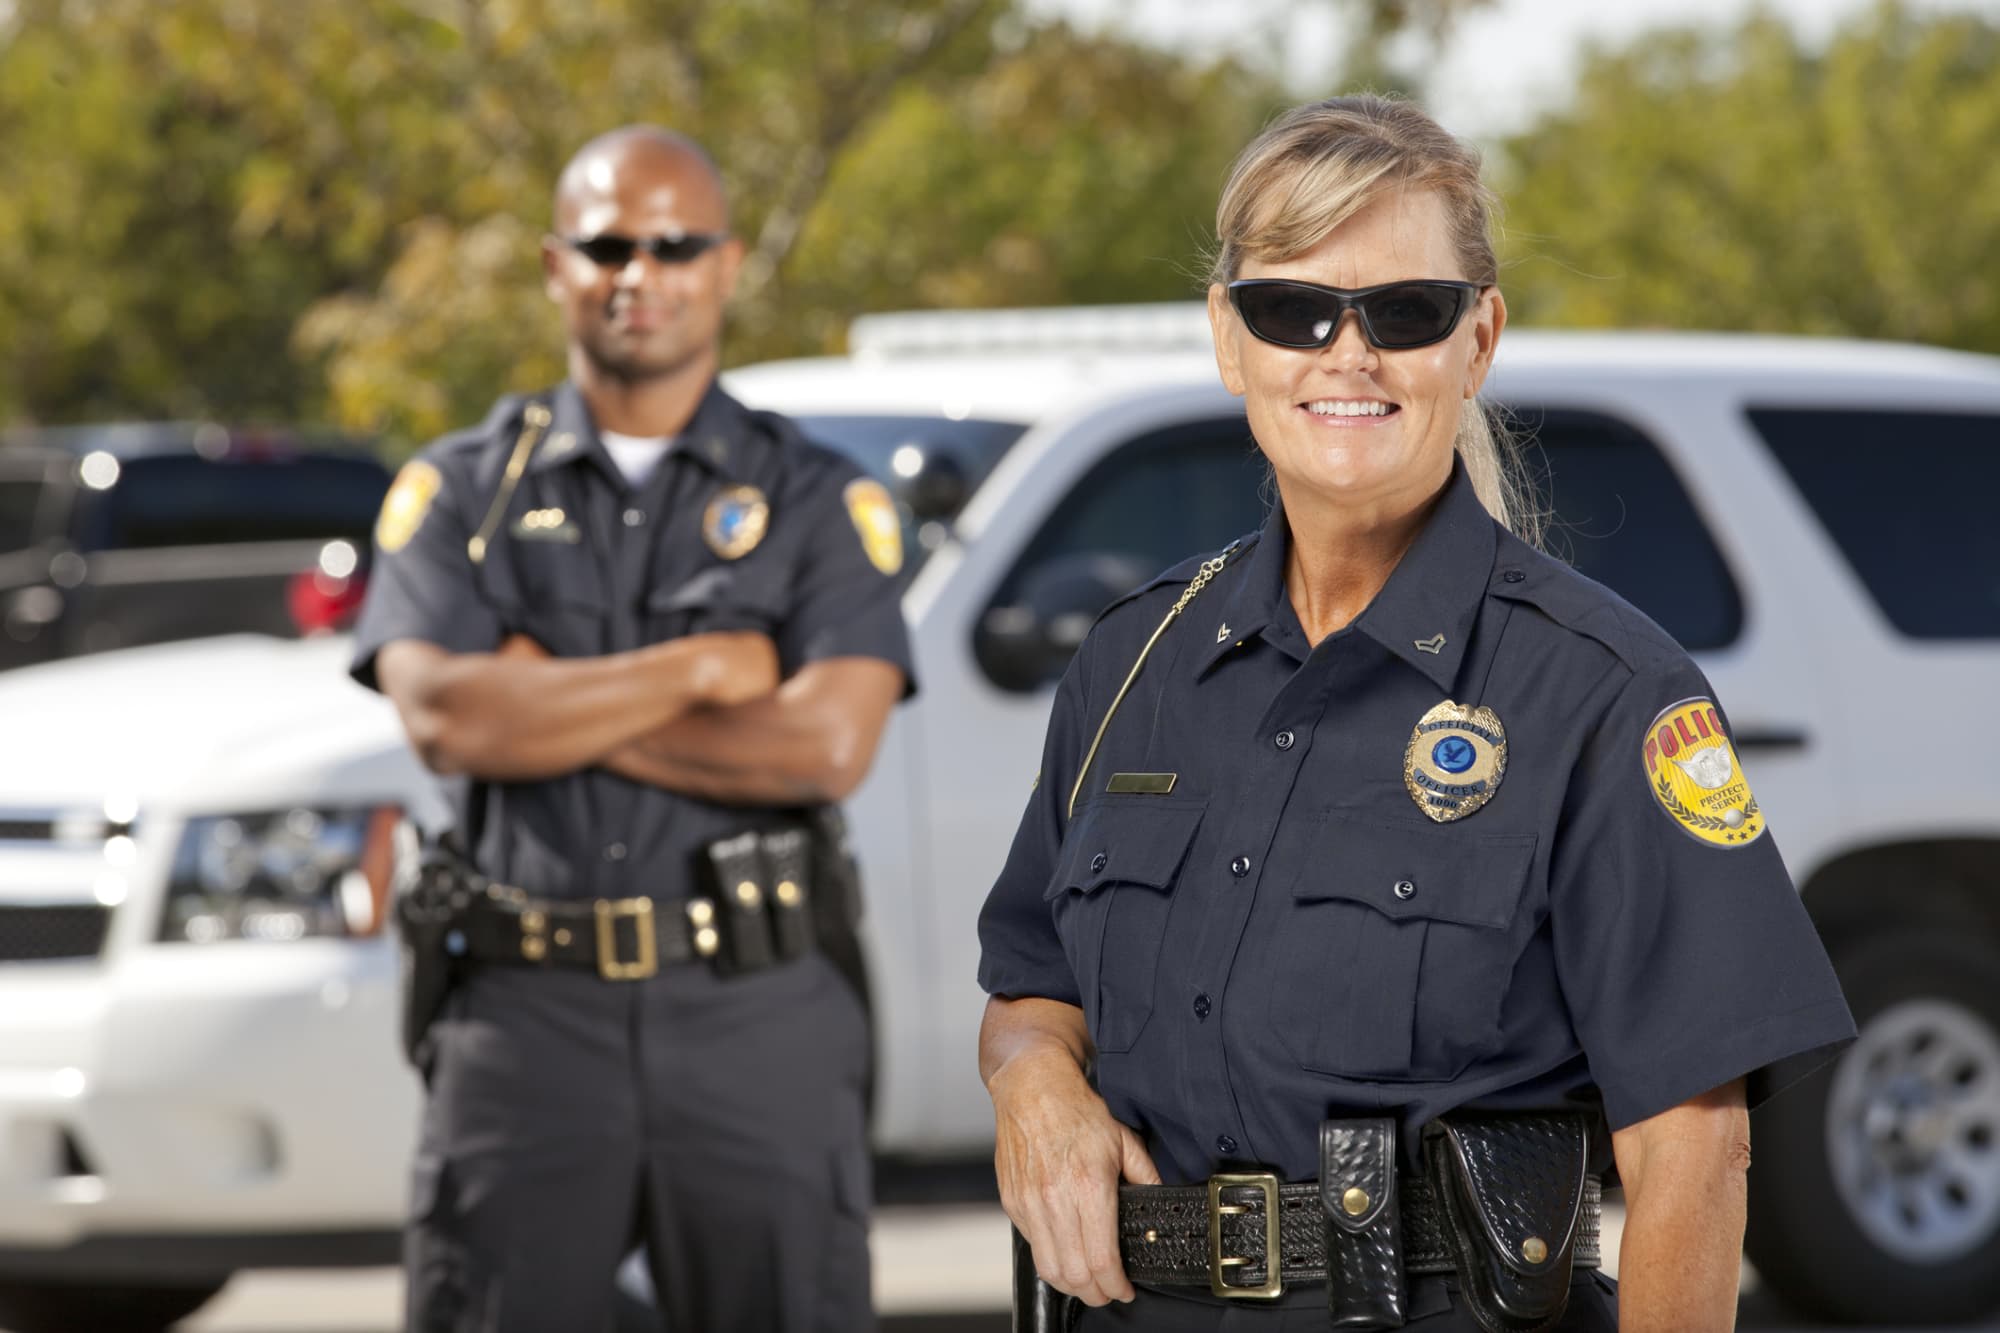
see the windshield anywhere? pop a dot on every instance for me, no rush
(872, 441)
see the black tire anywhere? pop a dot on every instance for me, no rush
(1804, 1238)
(66, 1307)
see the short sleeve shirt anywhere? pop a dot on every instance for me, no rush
(1306, 881)
(745, 525)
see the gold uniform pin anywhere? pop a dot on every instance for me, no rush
(735, 521)
(1455, 761)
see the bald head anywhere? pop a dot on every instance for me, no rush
(640, 160)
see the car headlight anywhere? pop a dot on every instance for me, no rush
(281, 875)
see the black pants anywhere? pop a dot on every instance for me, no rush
(718, 1121)
(1593, 1308)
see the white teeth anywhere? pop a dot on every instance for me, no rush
(1344, 407)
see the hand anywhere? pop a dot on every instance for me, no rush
(732, 667)
(523, 648)
(1059, 1157)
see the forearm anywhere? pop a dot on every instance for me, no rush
(1681, 1254)
(810, 741)
(1031, 1028)
(516, 717)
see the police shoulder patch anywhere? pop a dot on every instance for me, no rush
(403, 509)
(875, 518)
(1692, 770)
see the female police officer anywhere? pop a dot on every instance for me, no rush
(1407, 883)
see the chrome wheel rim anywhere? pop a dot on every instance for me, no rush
(1913, 1130)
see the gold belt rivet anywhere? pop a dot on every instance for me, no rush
(534, 948)
(788, 893)
(534, 922)
(746, 892)
(1355, 1202)
(1534, 1249)
(1151, 1235)
(701, 911)
(706, 941)
(562, 934)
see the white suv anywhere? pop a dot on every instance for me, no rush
(1811, 518)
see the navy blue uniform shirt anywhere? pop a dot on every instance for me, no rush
(587, 565)
(1289, 935)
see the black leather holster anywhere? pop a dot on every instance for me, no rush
(1366, 1288)
(1513, 1187)
(435, 889)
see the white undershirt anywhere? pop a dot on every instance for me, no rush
(637, 456)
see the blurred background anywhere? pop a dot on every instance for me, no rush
(281, 246)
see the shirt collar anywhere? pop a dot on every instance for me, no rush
(572, 435)
(1424, 613)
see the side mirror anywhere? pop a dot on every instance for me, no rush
(1024, 644)
(930, 481)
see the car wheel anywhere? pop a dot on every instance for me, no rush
(1875, 1194)
(64, 1307)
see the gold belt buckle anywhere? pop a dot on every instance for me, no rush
(609, 965)
(1218, 1262)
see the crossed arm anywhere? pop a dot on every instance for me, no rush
(1060, 1155)
(705, 715)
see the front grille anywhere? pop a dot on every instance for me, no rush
(38, 933)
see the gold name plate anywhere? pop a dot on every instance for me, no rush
(1142, 784)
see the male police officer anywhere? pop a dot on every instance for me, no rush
(655, 631)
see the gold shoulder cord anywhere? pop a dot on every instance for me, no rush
(1209, 569)
(534, 421)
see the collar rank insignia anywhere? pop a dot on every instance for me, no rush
(1455, 762)
(1222, 634)
(1433, 645)
(1692, 771)
(735, 521)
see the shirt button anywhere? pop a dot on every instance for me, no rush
(1240, 867)
(1098, 862)
(615, 852)
(634, 517)
(1513, 575)
(1405, 889)
(1201, 1006)
(1284, 740)
(1225, 1145)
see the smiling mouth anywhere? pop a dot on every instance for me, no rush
(1355, 410)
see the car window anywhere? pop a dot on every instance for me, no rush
(18, 500)
(1620, 515)
(1909, 498)
(184, 500)
(878, 444)
(1150, 504)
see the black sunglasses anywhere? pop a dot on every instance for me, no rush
(609, 250)
(1394, 316)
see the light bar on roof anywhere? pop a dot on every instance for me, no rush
(1175, 326)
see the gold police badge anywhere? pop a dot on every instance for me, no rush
(403, 509)
(1692, 771)
(875, 518)
(735, 521)
(1456, 759)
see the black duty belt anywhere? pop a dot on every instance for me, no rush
(1220, 1234)
(760, 914)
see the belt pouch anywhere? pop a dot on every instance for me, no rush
(787, 856)
(1364, 1224)
(1513, 1189)
(740, 890)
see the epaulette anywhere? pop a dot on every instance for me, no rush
(1582, 605)
(1184, 572)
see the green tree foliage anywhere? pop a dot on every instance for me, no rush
(1737, 181)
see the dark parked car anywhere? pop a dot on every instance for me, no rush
(117, 535)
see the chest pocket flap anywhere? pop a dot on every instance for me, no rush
(1111, 903)
(1430, 873)
(1126, 840)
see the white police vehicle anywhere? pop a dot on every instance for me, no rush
(198, 1062)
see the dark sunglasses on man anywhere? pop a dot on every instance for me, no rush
(1395, 316)
(610, 250)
